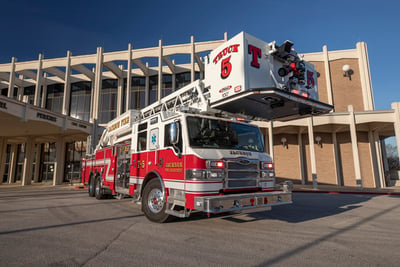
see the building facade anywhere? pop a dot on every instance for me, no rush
(48, 107)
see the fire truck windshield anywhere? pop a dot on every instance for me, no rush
(214, 133)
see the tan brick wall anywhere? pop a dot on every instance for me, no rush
(322, 93)
(364, 151)
(346, 156)
(325, 160)
(345, 91)
(287, 161)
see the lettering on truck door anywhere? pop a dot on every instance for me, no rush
(170, 165)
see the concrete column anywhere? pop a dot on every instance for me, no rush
(365, 76)
(13, 163)
(160, 74)
(10, 92)
(271, 138)
(354, 145)
(3, 151)
(60, 161)
(312, 152)
(92, 93)
(338, 165)
(97, 83)
(301, 157)
(173, 81)
(44, 91)
(67, 86)
(37, 162)
(129, 79)
(327, 74)
(28, 161)
(120, 92)
(396, 120)
(147, 88)
(38, 81)
(374, 158)
(192, 59)
(20, 94)
(379, 158)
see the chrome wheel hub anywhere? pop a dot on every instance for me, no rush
(155, 201)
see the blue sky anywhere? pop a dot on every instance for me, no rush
(30, 27)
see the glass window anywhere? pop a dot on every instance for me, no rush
(55, 97)
(108, 100)
(80, 100)
(211, 133)
(153, 87)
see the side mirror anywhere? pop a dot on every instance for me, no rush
(174, 133)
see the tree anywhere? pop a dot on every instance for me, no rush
(392, 156)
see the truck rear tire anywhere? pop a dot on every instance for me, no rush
(91, 189)
(98, 189)
(154, 202)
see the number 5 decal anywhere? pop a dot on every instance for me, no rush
(226, 68)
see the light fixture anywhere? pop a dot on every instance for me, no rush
(347, 71)
(284, 142)
(318, 139)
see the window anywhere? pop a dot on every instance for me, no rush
(55, 97)
(108, 100)
(211, 133)
(167, 136)
(80, 100)
(142, 137)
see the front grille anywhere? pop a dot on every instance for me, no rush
(242, 173)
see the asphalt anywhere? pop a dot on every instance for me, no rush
(300, 188)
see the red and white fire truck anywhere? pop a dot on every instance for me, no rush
(195, 149)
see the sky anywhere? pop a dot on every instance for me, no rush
(30, 27)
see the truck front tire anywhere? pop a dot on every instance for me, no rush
(154, 202)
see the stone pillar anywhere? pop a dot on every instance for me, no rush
(147, 88)
(312, 152)
(20, 93)
(129, 79)
(97, 83)
(67, 86)
(327, 74)
(396, 119)
(38, 81)
(44, 91)
(301, 157)
(37, 163)
(10, 92)
(338, 165)
(354, 142)
(60, 161)
(271, 138)
(192, 59)
(28, 161)
(13, 163)
(120, 92)
(160, 73)
(3, 151)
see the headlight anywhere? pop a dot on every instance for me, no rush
(266, 165)
(200, 174)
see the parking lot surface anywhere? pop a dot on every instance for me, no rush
(62, 226)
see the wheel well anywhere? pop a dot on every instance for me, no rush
(150, 176)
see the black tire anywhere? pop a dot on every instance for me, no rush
(154, 202)
(91, 189)
(98, 190)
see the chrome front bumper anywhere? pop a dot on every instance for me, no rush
(239, 202)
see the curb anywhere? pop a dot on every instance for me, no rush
(347, 192)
